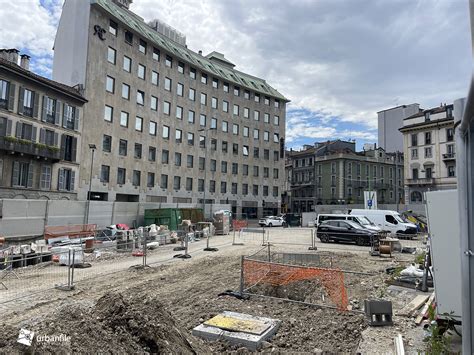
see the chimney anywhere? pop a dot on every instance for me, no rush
(200, 52)
(25, 61)
(9, 54)
(4, 54)
(14, 55)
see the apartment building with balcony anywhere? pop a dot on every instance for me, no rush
(430, 154)
(169, 124)
(40, 125)
(334, 173)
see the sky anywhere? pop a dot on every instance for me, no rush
(339, 62)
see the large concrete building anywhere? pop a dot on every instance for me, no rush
(389, 123)
(334, 173)
(40, 133)
(430, 154)
(169, 124)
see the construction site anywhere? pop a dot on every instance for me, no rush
(250, 289)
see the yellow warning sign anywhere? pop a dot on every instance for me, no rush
(237, 324)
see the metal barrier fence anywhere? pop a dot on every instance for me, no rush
(244, 236)
(27, 275)
(309, 278)
(292, 236)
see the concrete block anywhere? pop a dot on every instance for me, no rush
(238, 328)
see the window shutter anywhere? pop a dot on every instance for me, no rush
(57, 114)
(18, 129)
(35, 104)
(20, 100)
(43, 109)
(9, 127)
(30, 176)
(11, 96)
(76, 118)
(61, 179)
(64, 116)
(73, 180)
(63, 146)
(33, 134)
(74, 149)
(42, 134)
(15, 173)
(56, 138)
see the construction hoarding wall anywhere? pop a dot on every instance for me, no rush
(27, 218)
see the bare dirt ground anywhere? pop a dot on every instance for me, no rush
(154, 310)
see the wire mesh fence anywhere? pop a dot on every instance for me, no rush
(255, 236)
(292, 236)
(62, 267)
(313, 278)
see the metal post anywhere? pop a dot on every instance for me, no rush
(241, 288)
(90, 184)
(72, 266)
(144, 239)
(207, 248)
(269, 253)
(396, 180)
(69, 268)
(313, 240)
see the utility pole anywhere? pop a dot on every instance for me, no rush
(396, 179)
(92, 147)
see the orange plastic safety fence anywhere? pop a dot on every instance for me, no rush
(261, 272)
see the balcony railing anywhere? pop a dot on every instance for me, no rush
(27, 147)
(425, 181)
(449, 156)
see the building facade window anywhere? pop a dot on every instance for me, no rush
(121, 176)
(123, 147)
(136, 178)
(107, 143)
(104, 173)
(127, 64)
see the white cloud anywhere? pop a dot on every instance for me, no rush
(340, 60)
(27, 24)
(336, 58)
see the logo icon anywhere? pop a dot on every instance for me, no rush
(26, 337)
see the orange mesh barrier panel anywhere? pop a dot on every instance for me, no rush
(238, 224)
(261, 272)
(73, 230)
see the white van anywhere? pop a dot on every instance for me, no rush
(387, 220)
(361, 220)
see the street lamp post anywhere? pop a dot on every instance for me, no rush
(396, 180)
(207, 248)
(205, 170)
(92, 147)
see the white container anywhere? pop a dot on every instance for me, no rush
(25, 249)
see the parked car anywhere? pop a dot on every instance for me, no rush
(361, 220)
(388, 220)
(271, 221)
(344, 231)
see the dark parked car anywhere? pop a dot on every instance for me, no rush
(292, 219)
(344, 231)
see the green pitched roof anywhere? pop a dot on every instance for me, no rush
(236, 77)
